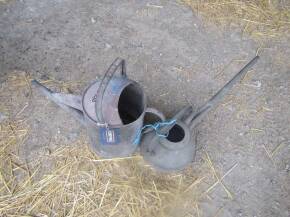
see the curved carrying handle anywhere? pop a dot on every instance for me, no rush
(156, 113)
(104, 84)
(180, 115)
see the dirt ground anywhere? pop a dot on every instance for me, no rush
(178, 59)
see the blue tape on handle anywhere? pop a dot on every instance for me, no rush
(155, 127)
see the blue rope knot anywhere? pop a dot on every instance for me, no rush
(156, 128)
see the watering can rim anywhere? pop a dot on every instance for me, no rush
(180, 144)
(128, 82)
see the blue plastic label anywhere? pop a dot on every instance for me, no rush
(109, 136)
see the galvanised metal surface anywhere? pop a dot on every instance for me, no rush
(112, 110)
(177, 149)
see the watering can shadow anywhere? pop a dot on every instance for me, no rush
(172, 147)
(112, 109)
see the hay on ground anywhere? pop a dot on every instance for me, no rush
(261, 19)
(73, 181)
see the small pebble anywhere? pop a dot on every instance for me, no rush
(93, 20)
(258, 84)
(47, 151)
(2, 117)
(287, 168)
(108, 46)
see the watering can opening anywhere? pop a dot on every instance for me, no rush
(131, 104)
(123, 103)
(176, 134)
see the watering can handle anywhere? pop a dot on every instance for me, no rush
(103, 86)
(155, 112)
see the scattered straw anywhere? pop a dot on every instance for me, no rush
(80, 184)
(219, 180)
(271, 154)
(217, 177)
(261, 19)
(268, 154)
(278, 147)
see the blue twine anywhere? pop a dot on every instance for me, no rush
(155, 127)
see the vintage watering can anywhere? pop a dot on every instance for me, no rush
(171, 146)
(112, 109)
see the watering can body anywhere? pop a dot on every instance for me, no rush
(112, 109)
(124, 108)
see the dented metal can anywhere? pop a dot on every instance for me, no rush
(112, 109)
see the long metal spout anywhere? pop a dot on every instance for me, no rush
(194, 118)
(67, 102)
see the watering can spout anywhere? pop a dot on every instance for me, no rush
(68, 102)
(184, 112)
(194, 118)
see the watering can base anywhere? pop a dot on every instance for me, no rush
(170, 166)
(112, 153)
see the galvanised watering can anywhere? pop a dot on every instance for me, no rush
(112, 109)
(171, 146)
